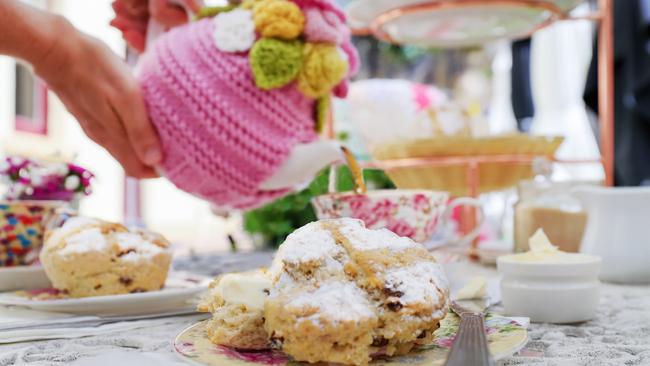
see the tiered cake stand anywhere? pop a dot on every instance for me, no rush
(461, 23)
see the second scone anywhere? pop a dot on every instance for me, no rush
(88, 257)
(343, 293)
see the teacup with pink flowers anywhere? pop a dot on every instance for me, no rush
(412, 213)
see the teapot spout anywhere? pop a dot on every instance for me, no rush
(305, 161)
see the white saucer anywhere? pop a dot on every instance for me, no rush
(179, 293)
(23, 278)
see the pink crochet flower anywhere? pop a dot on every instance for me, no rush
(325, 5)
(348, 48)
(324, 26)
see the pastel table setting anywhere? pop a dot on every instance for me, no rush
(617, 335)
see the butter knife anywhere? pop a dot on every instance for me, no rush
(470, 347)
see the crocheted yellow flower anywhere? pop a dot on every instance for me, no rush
(278, 19)
(275, 63)
(324, 66)
(249, 4)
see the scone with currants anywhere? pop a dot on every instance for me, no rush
(336, 292)
(88, 257)
(343, 293)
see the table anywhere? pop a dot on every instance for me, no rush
(620, 334)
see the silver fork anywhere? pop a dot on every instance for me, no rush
(470, 347)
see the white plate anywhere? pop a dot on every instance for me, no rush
(453, 27)
(179, 293)
(23, 278)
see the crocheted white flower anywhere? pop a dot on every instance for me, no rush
(234, 31)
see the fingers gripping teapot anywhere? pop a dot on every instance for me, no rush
(237, 97)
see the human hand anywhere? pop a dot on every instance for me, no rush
(100, 91)
(132, 17)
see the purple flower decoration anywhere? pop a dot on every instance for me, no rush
(37, 180)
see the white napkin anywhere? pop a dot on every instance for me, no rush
(69, 333)
(16, 316)
(131, 358)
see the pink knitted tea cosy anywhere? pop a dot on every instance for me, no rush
(224, 129)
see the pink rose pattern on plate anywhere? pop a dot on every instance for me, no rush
(414, 215)
(266, 357)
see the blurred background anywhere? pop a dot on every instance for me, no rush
(534, 85)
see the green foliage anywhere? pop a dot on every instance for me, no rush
(275, 221)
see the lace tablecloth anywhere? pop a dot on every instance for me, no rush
(620, 335)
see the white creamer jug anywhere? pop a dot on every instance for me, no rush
(618, 230)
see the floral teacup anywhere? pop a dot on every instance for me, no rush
(22, 226)
(414, 214)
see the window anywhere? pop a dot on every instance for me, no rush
(31, 102)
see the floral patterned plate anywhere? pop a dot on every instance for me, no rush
(505, 337)
(178, 294)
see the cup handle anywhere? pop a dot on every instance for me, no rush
(464, 201)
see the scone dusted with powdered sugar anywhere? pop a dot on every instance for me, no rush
(336, 292)
(343, 293)
(88, 257)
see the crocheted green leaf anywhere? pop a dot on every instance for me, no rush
(275, 63)
(212, 11)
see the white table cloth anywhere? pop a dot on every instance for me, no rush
(620, 334)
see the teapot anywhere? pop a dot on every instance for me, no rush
(237, 97)
(618, 230)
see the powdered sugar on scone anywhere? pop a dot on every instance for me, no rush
(363, 239)
(309, 246)
(73, 224)
(334, 301)
(87, 240)
(417, 283)
(136, 246)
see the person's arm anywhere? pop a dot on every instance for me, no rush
(92, 82)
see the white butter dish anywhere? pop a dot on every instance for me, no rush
(547, 292)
